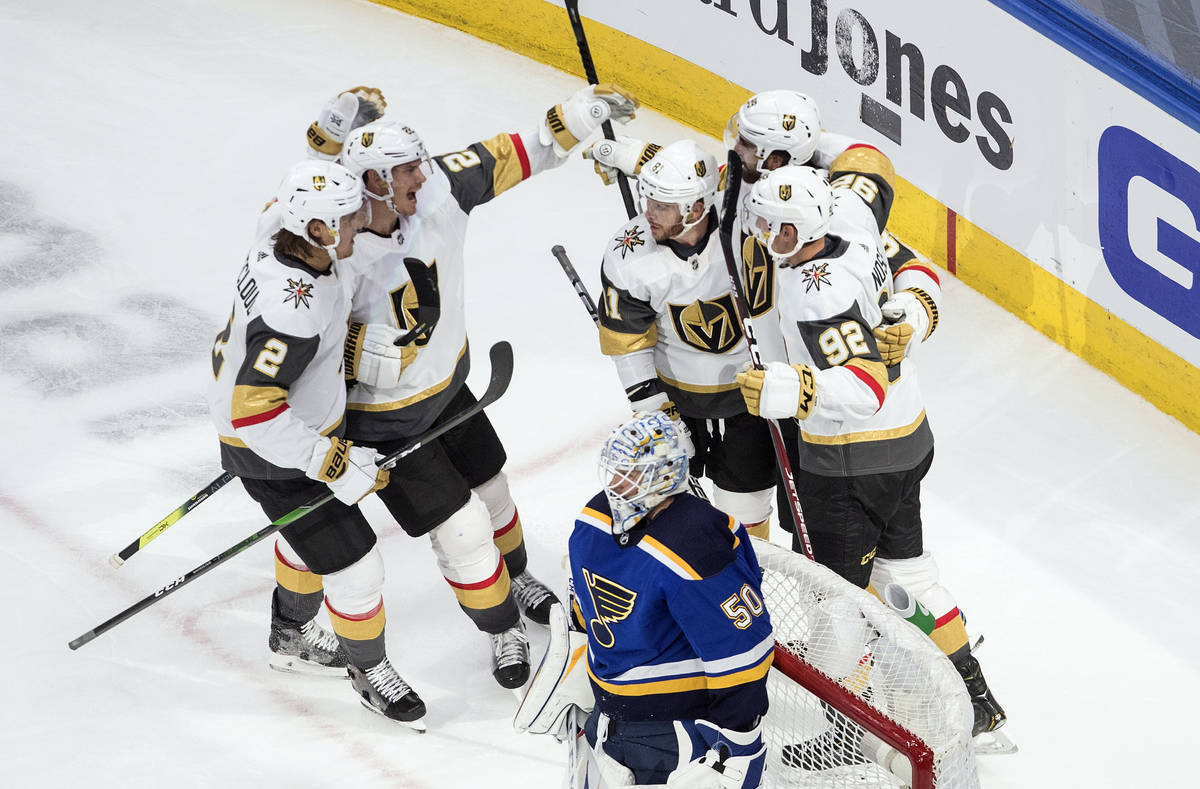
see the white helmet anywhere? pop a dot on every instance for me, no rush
(380, 146)
(791, 195)
(643, 462)
(777, 120)
(318, 190)
(681, 173)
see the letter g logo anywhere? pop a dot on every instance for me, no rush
(1149, 215)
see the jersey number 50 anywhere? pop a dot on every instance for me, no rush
(743, 607)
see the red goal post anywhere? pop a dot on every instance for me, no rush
(860, 698)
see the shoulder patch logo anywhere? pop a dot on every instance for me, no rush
(710, 326)
(816, 276)
(759, 276)
(612, 602)
(298, 292)
(631, 240)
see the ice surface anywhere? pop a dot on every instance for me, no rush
(141, 140)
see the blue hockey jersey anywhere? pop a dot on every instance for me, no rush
(675, 620)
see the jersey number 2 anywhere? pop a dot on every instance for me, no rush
(270, 357)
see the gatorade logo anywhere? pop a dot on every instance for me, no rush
(1150, 225)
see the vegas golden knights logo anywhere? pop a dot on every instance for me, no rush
(789, 122)
(785, 191)
(612, 603)
(318, 182)
(405, 303)
(759, 276)
(701, 168)
(709, 326)
(367, 139)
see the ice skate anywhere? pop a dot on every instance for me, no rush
(304, 648)
(533, 597)
(510, 657)
(384, 691)
(989, 715)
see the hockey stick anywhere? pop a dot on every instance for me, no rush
(118, 559)
(502, 367)
(733, 177)
(560, 255)
(589, 70)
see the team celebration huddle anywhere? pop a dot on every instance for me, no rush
(763, 325)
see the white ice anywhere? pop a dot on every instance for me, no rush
(139, 141)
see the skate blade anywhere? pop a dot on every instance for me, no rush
(290, 664)
(994, 743)
(418, 725)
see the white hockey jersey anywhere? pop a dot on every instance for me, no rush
(868, 418)
(277, 380)
(435, 235)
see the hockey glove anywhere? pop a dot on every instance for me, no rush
(780, 391)
(580, 115)
(349, 471)
(371, 356)
(623, 155)
(912, 316)
(734, 760)
(345, 111)
(659, 402)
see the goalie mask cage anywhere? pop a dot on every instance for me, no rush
(860, 698)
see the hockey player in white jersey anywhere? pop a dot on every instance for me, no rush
(668, 592)
(667, 319)
(453, 489)
(770, 130)
(865, 442)
(277, 398)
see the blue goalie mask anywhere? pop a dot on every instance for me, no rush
(643, 462)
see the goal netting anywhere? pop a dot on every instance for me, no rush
(861, 698)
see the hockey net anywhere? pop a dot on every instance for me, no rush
(860, 698)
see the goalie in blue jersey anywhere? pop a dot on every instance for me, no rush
(678, 642)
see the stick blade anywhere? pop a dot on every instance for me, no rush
(501, 356)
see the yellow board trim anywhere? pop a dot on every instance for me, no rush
(395, 405)
(683, 684)
(539, 30)
(866, 435)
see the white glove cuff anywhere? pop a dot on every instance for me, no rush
(780, 392)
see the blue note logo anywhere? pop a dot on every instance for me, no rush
(1150, 225)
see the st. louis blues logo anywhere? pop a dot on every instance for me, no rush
(816, 276)
(629, 241)
(298, 292)
(612, 603)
